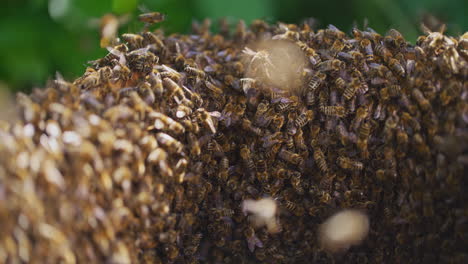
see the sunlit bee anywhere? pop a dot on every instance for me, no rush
(152, 18)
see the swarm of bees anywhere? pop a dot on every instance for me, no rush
(149, 156)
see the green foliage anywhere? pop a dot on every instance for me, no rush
(40, 37)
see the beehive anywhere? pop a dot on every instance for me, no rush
(148, 157)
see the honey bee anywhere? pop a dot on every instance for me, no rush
(310, 52)
(134, 41)
(334, 33)
(340, 83)
(310, 98)
(351, 89)
(194, 145)
(172, 144)
(367, 47)
(316, 81)
(338, 111)
(330, 65)
(337, 47)
(159, 156)
(304, 118)
(152, 17)
(396, 67)
(162, 121)
(246, 157)
(290, 157)
(109, 26)
(421, 100)
(319, 158)
(395, 38)
(383, 52)
(349, 164)
(195, 72)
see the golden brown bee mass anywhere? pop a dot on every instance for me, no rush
(201, 149)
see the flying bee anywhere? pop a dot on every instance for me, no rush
(338, 111)
(316, 81)
(320, 160)
(304, 118)
(109, 26)
(351, 89)
(330, 65)
(396, 67)
(421, 100)
(290, 157)
(152, 17)
(349, 164)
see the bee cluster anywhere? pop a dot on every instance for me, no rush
(148, 157)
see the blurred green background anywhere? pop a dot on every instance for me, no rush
(40, 37)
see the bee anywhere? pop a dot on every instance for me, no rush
(330, 65)
(320, 160)
(340, 83)
(337, 47)
(310, 98)
(421, 100)
(149, 38)
(364, 130)
(162, 121)
(299, 141)
(394, 90)
(159, 156)
(261, 168)
(290, 157)
(334, 33)
(108, 28)
(310, 52)
(195, 72)
(349, 164)
(287, 104)
(152, 17)
(247, 84)
(246, 157)
(396, 67)
(367, 47)
(247, 125)
(296, 183)
(134, 41)
(252, 239)
(147, 94)
(304, 118)
(351, 89)
(316, 81)
(383, 52)
(172, 144)
(338, 111)
(395, 38)
(291, 206)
